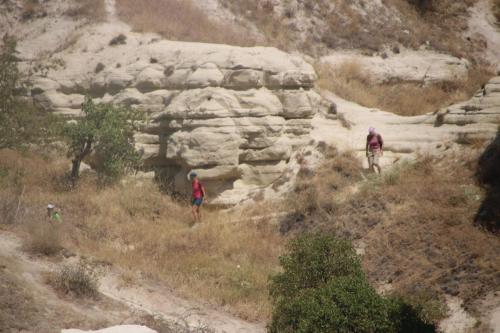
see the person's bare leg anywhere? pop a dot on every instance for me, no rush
(379, 169)
(199, 213)
(194, 212)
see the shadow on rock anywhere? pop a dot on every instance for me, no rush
(488, 175)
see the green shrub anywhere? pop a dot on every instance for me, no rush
(313, 260)
(344, 304)
(413, 315)
(323, 289)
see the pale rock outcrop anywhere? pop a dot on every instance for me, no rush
(483, 108)
(234, 115)
(408, 65)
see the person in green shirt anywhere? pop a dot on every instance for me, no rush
(53, 213)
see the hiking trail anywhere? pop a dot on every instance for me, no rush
(148, 297)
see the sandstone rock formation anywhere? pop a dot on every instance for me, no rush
(407, 65)
(484, 107)
(460, 124)
(234, 115)
(237, 116)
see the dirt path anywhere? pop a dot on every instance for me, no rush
(147, 297)
(159, 301)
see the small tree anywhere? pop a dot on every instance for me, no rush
(20, 122)
(108, 132)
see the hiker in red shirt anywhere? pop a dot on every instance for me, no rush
(374, 149)
(198, 194)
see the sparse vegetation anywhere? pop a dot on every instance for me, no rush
(44, 238)
(352, 82)
(178, 20)
(357, 25)
(496, 10)
(80, 280)
(312, 195)
(20, 122)
(32, 9)
(418, 225)
(220, 261)
(93, 10)
(15, 300)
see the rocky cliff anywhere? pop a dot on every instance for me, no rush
(234, 115)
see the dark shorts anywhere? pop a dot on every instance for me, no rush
(197, 201)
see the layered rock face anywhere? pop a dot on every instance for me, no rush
(406, 66)
(234, 115)
(484, 107)
(469, 122)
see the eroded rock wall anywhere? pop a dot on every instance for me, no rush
(234, 115)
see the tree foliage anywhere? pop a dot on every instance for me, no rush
(20, 122)
(323, 289)
(107, 133)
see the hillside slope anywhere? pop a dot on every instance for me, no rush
(259, 127)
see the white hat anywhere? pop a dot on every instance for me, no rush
(51, 206)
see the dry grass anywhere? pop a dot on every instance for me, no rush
(227, 264)
(17, 309)
(32, 9)
(426, 235)
(178, 20)
(79, 280)
(416, 223)
(44, 239)
(312, 200)
(359, 25)
(144, 231)
(440, 24)
(93, 10)
(351, 82)
(496, 10)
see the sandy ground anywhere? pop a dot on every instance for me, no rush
(121, 300)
